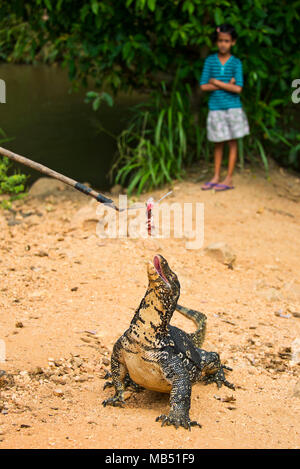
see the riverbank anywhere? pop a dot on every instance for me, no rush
(66, 295)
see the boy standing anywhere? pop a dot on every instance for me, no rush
(222, 75)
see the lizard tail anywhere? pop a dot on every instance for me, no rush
(200, 321)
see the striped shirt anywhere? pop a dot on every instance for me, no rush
(221, 99)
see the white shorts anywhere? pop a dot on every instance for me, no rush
(228, 124)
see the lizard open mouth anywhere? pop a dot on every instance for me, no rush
(157, 265)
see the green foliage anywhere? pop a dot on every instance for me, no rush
(12, 184)
(18, 42)
(124, 43)
(97, 98)
(154, 148)
(137, 44)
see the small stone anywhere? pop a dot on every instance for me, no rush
(37, 294)
(45, 186)
(13, 222)
(19, 324)
(77, 361)
(105, 361)
(271, 267)
(59, 380)
(81, 379)
(295, 349)
(41, 254)
(221, 252)
(49, 208)
(127, 395)
(85, 339)
(271, 294)
(268, 344)
(297, 389)
(228, 399)
(102, 374)
(58, 392)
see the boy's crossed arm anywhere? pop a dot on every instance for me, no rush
(214, 85)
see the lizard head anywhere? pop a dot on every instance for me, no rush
(162, 279)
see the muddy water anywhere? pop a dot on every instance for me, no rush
(57, 128)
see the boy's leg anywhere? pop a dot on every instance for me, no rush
(233, 150)
(218, 155)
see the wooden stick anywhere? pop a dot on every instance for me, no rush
(60, 177)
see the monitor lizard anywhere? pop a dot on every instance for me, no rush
(154, 355)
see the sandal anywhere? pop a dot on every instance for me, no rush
(208, 185)
(222, 187)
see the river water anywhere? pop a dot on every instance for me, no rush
(57, 128)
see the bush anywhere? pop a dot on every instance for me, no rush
(12, 184)
(132, 44)
(156, 145)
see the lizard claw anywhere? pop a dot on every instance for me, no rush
(114, 401)
(229, 385)
(184, 422)
(226, 368)
(136, 387)
(108, 384)
(219, 378)
(224, 380)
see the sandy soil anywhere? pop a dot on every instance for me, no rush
(66, 296)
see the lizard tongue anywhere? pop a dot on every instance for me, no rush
(156, 263)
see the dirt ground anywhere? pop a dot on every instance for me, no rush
(66, 295)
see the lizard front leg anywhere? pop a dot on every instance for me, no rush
(128, 382)
(118, 373)
(180, 396)
(213, 370)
